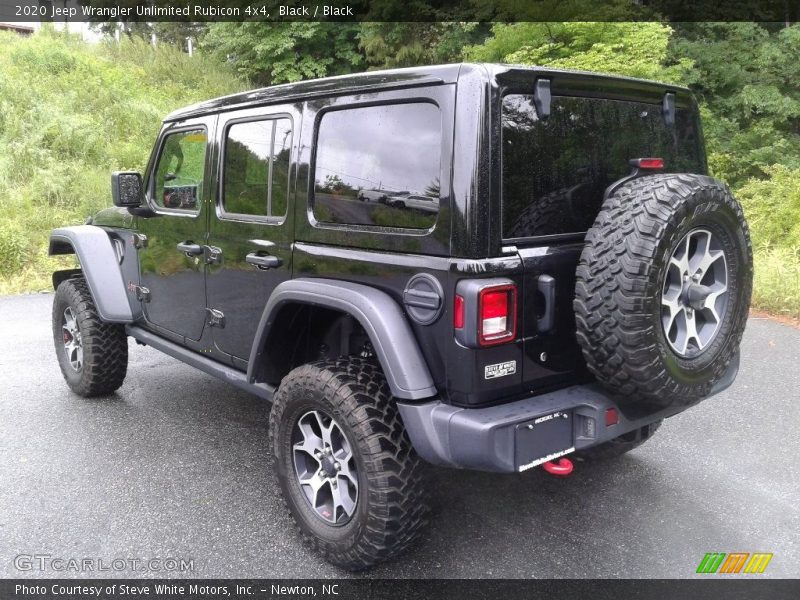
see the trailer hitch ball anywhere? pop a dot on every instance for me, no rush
(562, 468)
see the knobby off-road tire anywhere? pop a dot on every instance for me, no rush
(624, 285)
(98, 364)
(619, 445)
(390, 504)
(555, 212)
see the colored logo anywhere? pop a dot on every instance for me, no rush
(736, 562)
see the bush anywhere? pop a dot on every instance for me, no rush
(776, 287)
(70, 113)
(13, 246)
(772, 206)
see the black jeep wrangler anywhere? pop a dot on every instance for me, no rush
(558, 275)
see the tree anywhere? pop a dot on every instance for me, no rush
(745, 75)
(167, 32)
(279, 52)
(634, 49)
(400, 44)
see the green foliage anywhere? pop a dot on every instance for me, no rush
(634, 49)
(745, 74)
(70, 113)
(279, 52)
(389, 45)
(772, 207)
(13, 247)
(561, 10)
(776, 285)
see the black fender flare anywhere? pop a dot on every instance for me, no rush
(100, 265)
(381, 317)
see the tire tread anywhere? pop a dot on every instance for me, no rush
(397, 502)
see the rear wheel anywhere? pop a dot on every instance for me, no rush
(663, 288)
(92, 354)
(347, 470)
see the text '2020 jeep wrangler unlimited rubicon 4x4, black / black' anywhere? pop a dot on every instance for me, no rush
(565, 277)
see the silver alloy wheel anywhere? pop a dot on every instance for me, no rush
(694, 297)
(325, 467)
(71, 335)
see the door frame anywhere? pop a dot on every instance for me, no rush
(209, 124)
(282, 227)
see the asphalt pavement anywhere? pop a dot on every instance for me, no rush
(175, 466)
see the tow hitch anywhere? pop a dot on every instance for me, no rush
(562, 468)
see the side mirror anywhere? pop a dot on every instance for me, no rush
(126, 189)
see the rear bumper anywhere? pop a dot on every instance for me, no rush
(520, 435)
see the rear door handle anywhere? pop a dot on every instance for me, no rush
(190, 249)
(546, 317)
(263, 261)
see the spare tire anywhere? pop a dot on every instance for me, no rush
(663, 289)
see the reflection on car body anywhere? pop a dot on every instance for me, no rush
(414, 202)
(372, 195)
(180, 196)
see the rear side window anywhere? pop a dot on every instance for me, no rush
(180, 171)
(256, 172)
(554, 172)
(379, 166)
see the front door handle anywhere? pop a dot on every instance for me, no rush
(263, 261)
(190, 249)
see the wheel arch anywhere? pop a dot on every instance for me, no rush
(375, 311)
(100, 267)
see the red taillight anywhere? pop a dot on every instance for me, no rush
(612, 417)
(497, 314)
(458, 312)
(648, 163)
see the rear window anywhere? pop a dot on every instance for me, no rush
(554, 172)
(379, 166)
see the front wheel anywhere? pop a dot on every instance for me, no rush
(92, 354)
(346, 467)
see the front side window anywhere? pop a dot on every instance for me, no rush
(256, 172)
(379, 166)
(180, 170)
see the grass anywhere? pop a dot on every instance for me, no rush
(70, 113)
(776, 288)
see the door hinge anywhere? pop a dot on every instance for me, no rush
(215, 318)
(142, 293)
(213, 255)
(139, 240)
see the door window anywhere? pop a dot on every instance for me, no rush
(180, 171)
(256, 171)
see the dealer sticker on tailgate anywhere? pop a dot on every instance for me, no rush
(500, 369)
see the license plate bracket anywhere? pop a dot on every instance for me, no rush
(543, 438)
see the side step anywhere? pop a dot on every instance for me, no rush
(208, 365)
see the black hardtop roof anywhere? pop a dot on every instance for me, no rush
(407, 77)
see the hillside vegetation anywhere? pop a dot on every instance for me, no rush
(70, 113)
